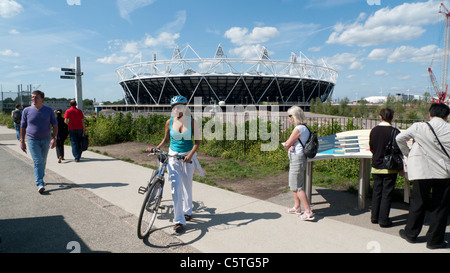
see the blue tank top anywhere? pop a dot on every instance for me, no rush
(181, 142)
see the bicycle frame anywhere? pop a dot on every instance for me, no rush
(154, 193)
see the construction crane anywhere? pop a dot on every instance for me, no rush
(441, 92)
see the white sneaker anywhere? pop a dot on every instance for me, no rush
(41, 189)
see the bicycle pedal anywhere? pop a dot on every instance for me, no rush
(142, 190)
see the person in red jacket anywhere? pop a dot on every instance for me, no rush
(75, 119)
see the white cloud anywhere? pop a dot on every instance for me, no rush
(357, 65)
(9, 53)
(314, 49)
(411, 54)
(240, 36)
(14, 31)
(128, 6)
(400, 23)
(177, 25)
(351, 60)
(113, 59)
(163, 39)
(404, 78)
(362, 36)
(381, 73)
(248, 51)
(54, 69)
(379, 54)
(131, 47)
(9, 8)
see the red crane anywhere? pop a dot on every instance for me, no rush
(441, 92)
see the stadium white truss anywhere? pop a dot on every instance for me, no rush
(233, 81)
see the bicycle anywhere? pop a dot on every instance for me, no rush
(154, 194)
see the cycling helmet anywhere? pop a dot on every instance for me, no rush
(178, 100)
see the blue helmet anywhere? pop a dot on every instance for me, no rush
(178, 100)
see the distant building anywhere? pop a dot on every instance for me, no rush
(57, 104)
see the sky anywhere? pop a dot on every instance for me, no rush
(378, 47)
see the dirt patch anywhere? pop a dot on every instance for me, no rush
(261, 188)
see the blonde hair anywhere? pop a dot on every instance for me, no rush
(298, 115)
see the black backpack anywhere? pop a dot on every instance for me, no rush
(17, 116)
(312, 145)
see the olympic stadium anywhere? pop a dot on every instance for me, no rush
(224, 80)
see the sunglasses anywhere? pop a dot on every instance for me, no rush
(173, 106)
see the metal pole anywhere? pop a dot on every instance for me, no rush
(78, 84)
(364, 183)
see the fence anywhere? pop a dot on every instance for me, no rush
(8, 100)
(340, 124)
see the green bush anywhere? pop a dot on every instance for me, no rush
(6, 120)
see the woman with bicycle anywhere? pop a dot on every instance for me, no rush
(180, 129)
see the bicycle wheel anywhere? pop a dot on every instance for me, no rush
(149, 208)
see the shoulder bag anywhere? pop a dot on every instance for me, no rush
(442, 146)
(392, 159)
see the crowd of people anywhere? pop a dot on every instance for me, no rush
(426, 162)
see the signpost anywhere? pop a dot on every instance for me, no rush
(75, 74)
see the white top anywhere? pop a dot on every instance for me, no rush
(304, 136)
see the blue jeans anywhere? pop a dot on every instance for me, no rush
(39, 151)
(75, 141)
(17, 127)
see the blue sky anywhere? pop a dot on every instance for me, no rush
(377, 46)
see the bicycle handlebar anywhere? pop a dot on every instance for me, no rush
(155, 151)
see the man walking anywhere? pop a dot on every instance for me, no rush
(37, 121)
(428, 165)
(75, 119)
(17, 118)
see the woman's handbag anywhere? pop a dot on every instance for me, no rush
(392, 158)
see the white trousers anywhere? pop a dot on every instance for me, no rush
(180, 176)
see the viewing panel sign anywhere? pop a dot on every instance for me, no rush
(346, 144)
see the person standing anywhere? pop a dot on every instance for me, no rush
(383, 179)
(16, 115)
(37, 121)
(75, 119)
(184, 135)
(428, 166)
(63, 132)
(297, 163)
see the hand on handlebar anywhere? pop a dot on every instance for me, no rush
(151, 150)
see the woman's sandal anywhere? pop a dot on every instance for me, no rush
(307, 216)
(294, 211)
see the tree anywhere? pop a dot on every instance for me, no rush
(343, 107)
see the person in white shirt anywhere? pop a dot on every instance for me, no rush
(297, 163)
(428, 166)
